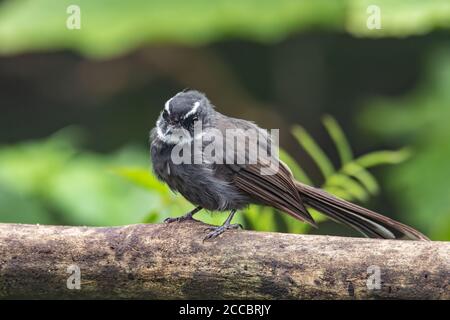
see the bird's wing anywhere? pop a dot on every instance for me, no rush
(270, 185)
(276, 190)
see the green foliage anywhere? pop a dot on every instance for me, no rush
(52, 181)
(308, 143)
(420, 185)
(113, 27)
(399, 18)
(351, 181)
(338, 136)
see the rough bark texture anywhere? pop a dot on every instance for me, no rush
(171, 261)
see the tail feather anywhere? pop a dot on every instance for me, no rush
(369, 223)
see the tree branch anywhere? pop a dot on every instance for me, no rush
(171, 261)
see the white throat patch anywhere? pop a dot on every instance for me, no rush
(179, 137)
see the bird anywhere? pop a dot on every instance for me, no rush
(191, 152)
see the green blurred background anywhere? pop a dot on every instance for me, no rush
(363, 112)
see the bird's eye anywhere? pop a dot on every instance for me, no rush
(188, 122)
(165, 115)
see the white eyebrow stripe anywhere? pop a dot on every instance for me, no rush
(167, 105)
(193, 110)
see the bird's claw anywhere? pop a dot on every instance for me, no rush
(178, 219)
(217, 231)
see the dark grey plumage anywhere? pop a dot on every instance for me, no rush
(230, 186)
(207, 185)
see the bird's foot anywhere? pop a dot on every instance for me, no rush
(217, 231)
(179, 219)
(187, 216)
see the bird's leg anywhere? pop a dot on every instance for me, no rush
(187, 216)
(216, 231)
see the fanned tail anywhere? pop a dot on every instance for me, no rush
(369, 223)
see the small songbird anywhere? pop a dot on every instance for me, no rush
(218, 175)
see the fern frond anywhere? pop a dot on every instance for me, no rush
(313, 149)
(348, 184)
(376, 158)
(337, 134)
(352, 181)
(141, 177)
(362, 175)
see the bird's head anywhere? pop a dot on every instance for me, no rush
(181, 112)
